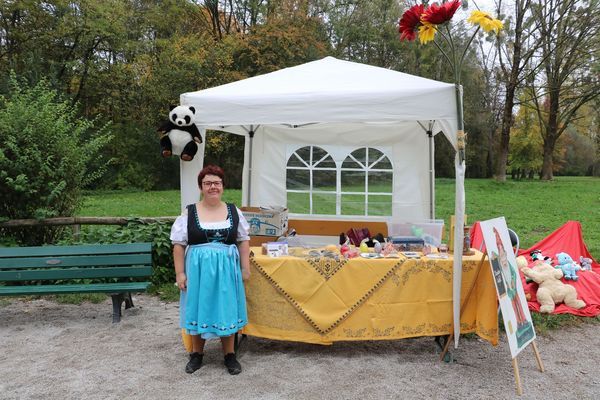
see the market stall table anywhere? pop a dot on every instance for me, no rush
(321, 300)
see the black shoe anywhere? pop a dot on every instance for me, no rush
(195, 363)
(232, 364)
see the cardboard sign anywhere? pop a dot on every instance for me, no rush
(513, 304)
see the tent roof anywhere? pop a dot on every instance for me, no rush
(323, 91)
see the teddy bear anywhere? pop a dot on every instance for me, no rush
(523, 263)
(180, 135)
(568, 266)
(551, 289)
(586, 263)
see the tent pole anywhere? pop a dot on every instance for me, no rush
(431, 175)
(251, 136)
(459, 212)
(431, 143)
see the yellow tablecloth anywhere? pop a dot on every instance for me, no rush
(319, 300)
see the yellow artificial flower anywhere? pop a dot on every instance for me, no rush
(426, 33)
(486, 21)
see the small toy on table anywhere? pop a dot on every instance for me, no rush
(388, 249)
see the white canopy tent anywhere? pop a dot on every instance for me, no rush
(338, 106)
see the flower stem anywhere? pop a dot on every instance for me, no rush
(462, 58)
(445, 55)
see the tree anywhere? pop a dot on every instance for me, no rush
(364, 31)
(570, 48)
(525, 157)
(47, 155)
(515, 56)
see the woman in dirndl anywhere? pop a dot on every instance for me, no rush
(211, 255)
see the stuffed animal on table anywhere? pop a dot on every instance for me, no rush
(586, 263)
(364, 247)
(568, 266)
(180, 135)
(551, 289)
(377, 247)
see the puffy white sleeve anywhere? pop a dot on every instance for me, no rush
(243, 227)
(179, 233)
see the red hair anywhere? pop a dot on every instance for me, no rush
(211, 170)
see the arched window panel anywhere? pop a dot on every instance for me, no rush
(304, 154)
(378, 160)
(360, 155)
(322, 159)
(295, 161)
(311, 181)
(362, 184)
(356, 160)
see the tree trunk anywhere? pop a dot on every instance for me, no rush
(507, 118)
(551, 135)
(549, 144)
(547, 166)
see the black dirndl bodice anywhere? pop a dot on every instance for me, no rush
(199, 235)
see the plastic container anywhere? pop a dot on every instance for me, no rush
(428, 230)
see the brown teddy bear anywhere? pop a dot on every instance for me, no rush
(551, 289)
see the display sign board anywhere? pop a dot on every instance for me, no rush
(513, 304)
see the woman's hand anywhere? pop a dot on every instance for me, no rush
(245, 274)
(181, 281)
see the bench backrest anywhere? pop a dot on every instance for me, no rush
(75, 262)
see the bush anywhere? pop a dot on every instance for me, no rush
(47, 155)
(138, 231)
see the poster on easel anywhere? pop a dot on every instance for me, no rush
(513, 304)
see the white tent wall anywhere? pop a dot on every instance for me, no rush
(336, 101)
(405, 146)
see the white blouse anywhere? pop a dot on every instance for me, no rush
(179, 229)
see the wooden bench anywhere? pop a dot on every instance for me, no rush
(52, 269)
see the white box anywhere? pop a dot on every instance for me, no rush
(428, 230)
(266, 222)
(275, 249)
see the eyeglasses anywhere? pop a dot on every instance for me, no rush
(208, 184)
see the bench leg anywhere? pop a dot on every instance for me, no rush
(117, 300)
(128, 300)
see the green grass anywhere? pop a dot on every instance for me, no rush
(78, 298)
(533, 209)
(166, 291)
(139, 203)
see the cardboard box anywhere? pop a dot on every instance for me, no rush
(266, 222)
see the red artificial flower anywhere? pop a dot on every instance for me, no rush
(438, 14)
(410, 21)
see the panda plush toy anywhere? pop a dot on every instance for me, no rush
(180, 135)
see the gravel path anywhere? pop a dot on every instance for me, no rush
(60, 351)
